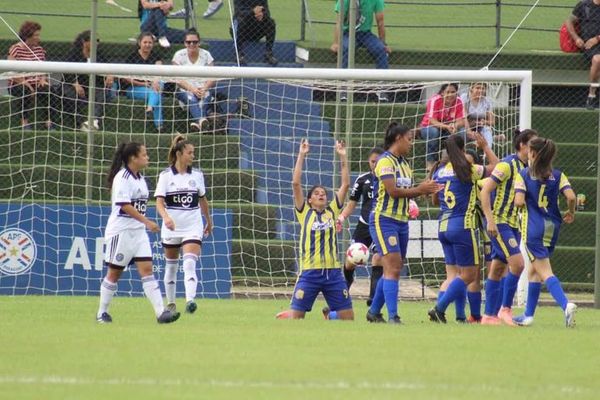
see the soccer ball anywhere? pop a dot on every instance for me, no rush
(413, 209)
(357, 253)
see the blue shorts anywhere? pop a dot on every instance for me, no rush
(540, 240)
(461, 247)
(330, 282)
(389, 235)
(506, 244)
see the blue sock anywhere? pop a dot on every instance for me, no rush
(456, 289)
(491, 293)
(533, 295)
(553, 285)
(475, 303)
(460, 304)
(390, 292)
(510, 288)
(333, 315)
(378, 299)
(440, 294)
(498, 298)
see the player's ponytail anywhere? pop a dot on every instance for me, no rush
(392, 132)
(178, 144)
(545, 151)
(121, 157)
(455, 147)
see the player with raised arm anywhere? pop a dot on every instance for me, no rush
(125, 237)
(181, 202)
(503, 228)
(363, 191)
(318, 265)
(537, 189)
(457, 224)
(388, 223)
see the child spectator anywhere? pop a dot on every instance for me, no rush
(479, 110)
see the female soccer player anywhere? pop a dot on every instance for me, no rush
(318, 266)
(503, 228)
(363, 189)
(181, 202)
(537, 188)
(125, 237)
(388, 224)
(457, 224)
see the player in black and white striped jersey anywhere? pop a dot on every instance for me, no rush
(125, 236)
(181, 202)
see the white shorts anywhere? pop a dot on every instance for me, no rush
(127, 246)
(178, 241)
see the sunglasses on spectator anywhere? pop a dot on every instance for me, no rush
(192, 41)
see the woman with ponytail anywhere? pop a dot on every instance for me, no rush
(125, 236)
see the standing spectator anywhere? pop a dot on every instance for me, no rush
(213, 7)
(28, 89)
(376, 46)
(75, 88)
(195, 93)
(153, 17)
(479, 110)
(587, 14)
(253, 22)
(148, 90)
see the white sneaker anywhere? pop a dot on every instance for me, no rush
(570, 315)
(523, 320)
(382, 97)
(178, 14)
(201, 125)
(213, 7)
(85, 125)
(164, 42)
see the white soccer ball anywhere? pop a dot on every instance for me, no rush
(357, 253)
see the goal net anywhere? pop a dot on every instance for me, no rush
(54, 203)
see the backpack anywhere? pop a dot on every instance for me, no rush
(566, 42)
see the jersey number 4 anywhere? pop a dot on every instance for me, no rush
(542, 198)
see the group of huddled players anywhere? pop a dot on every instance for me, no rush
(498, 205)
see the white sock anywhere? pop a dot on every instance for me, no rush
(107, 291)
(152, 291)
(189, 276)
(170, 279)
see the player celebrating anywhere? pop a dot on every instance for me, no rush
(181, 202)
(125, 237)
(388, 221)
(537, 188)
(318, 264)
(503, 228)
(363, 189)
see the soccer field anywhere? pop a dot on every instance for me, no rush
(232, 349)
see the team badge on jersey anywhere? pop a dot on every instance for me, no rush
(119, 257)
(512, 242)
(392, 240)
(17, 251)
(299, 294)
(192, 183)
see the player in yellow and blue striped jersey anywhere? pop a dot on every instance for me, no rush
(537, 189)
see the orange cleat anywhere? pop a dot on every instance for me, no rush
(287, 314)
(473, 320)
(487, 320)
(505, 315)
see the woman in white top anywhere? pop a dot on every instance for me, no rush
(125, 237)
(479, 111)
(181, 202)
(195, 93)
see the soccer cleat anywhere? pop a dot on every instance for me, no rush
(287, 314)
(395, 320)
(505, 315)
(326, 312)
(523, 320)
(487, 320)
(191, 307)
(474, 319)
(375, 318)
(382, 97)
(461, 321)
(167, 317)
(104, 318)
(164, 42)
(213, 7)
(570, 315)
(171, 307)
(201, 125)
(590, 103)
(436, 316)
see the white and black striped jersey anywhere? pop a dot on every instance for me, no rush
(127, 188)
(182, 194)
(363, 188)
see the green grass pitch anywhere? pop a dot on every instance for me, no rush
(233, 349)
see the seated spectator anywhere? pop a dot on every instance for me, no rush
(153, 17)
(587, 14)
(33, 88)
(376, 46)
(145, 89)
(443, 117)
(75, 87)
(479, 110)
(253, 22)
(195, 93)
(213, 7)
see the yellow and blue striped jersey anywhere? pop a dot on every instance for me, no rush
(318, 238)
(397, 168)
(503, 206)
(458, 200)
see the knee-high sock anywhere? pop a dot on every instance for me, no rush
(456, 289)
(492, 288)
(533, 295)
(107, 292)
(553, 285)
(460, 303)
(170, 279)
(189, 276)
(378, 299)
(390, 293)
(510, 288)
(376, 274)
(152, 291)
(498, 299)
(475, 303)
